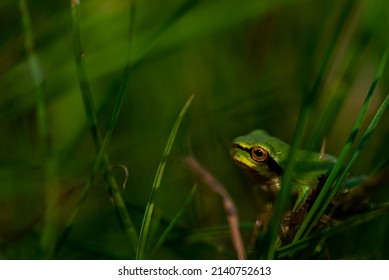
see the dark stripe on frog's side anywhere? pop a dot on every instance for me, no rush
(273, 166)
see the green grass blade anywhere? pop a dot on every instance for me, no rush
(329, 189)
(37, 75)
(369, 131)
(351, 66)
(49, 231)
(171, 225)
(101, 145)
(143, 238)
(356, 220)
(308, 101)
(119, 203)
(85, 87)
(123, 88)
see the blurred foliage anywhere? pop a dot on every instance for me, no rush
(246, 62)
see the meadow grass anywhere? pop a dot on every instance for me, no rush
(99, 83)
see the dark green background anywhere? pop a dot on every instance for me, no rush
(246, 62)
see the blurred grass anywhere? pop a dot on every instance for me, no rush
(48, 233)
(141, 250)
(309, 98)
(340, 170)
(99, 142)
(249, 65)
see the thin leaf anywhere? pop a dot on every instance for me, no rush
(292, 248)
(144, 232)
(100, 145)
(309, 98)
(351, 65)
(338, 172)
(48, 233)
(172, 223)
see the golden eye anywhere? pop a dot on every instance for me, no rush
(258, 154)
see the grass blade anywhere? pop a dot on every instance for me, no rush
(85, 87)
(369, 131)
(169, 228)
(100, 145)
(376, 212)
(144, 232)
(308, 100)
(338, 172)
(49, 231)
(351, 66)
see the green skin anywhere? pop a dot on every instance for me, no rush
(264, 157)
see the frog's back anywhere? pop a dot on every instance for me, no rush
(311, 166)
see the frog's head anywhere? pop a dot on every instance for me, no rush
(260, 153)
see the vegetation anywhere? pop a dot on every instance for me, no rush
(102, 102)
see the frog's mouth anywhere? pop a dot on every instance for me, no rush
(239, 154)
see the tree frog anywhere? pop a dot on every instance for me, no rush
(264, 156)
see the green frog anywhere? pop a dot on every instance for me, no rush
(264, 156)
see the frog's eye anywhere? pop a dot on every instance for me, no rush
(258, 154)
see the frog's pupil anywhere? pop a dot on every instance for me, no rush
(258, 153)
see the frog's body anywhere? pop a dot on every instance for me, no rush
(264, 156)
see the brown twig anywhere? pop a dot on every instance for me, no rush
(229, 205)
